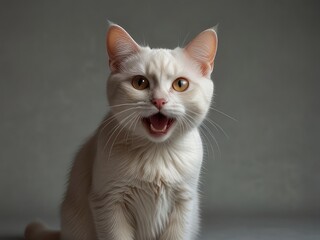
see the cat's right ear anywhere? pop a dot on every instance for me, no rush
(120, 45)
(202, 49)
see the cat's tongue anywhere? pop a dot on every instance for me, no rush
(159, 122)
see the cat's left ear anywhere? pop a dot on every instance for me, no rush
(203, 49)
(120, 45)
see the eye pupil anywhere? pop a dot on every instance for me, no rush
(140, 81)
(180, 83)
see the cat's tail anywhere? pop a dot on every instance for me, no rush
(38, 231)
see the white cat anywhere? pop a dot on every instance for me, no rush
(137, 176)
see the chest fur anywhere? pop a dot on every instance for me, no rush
(150, 206)
(147, 179)
(171, 164)
(160, 163)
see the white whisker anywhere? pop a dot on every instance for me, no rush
(128, 104)
(224, 114)
(115, 128)
(119, 133)
(213, 123)
(109, 120)
(216, 126)
(130, 131)
(209, 132)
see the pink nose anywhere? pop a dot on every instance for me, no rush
(158, 102)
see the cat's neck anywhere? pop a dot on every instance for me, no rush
(171, 161)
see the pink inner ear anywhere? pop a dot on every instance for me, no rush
(120, 45)
(202, 49)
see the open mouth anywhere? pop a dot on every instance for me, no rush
(158, 124)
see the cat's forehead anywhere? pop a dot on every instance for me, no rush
(162, 64)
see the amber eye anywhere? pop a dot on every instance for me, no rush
(140, 82)
(180, 84)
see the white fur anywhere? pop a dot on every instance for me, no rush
(126, 184)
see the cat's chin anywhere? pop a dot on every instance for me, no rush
(158, 126)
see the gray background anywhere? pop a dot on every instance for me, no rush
(53, 69)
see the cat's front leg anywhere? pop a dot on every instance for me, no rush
(111, 219)
(180, 220)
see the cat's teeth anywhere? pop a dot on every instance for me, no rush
(158, 130)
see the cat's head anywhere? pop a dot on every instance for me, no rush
(159, 93)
